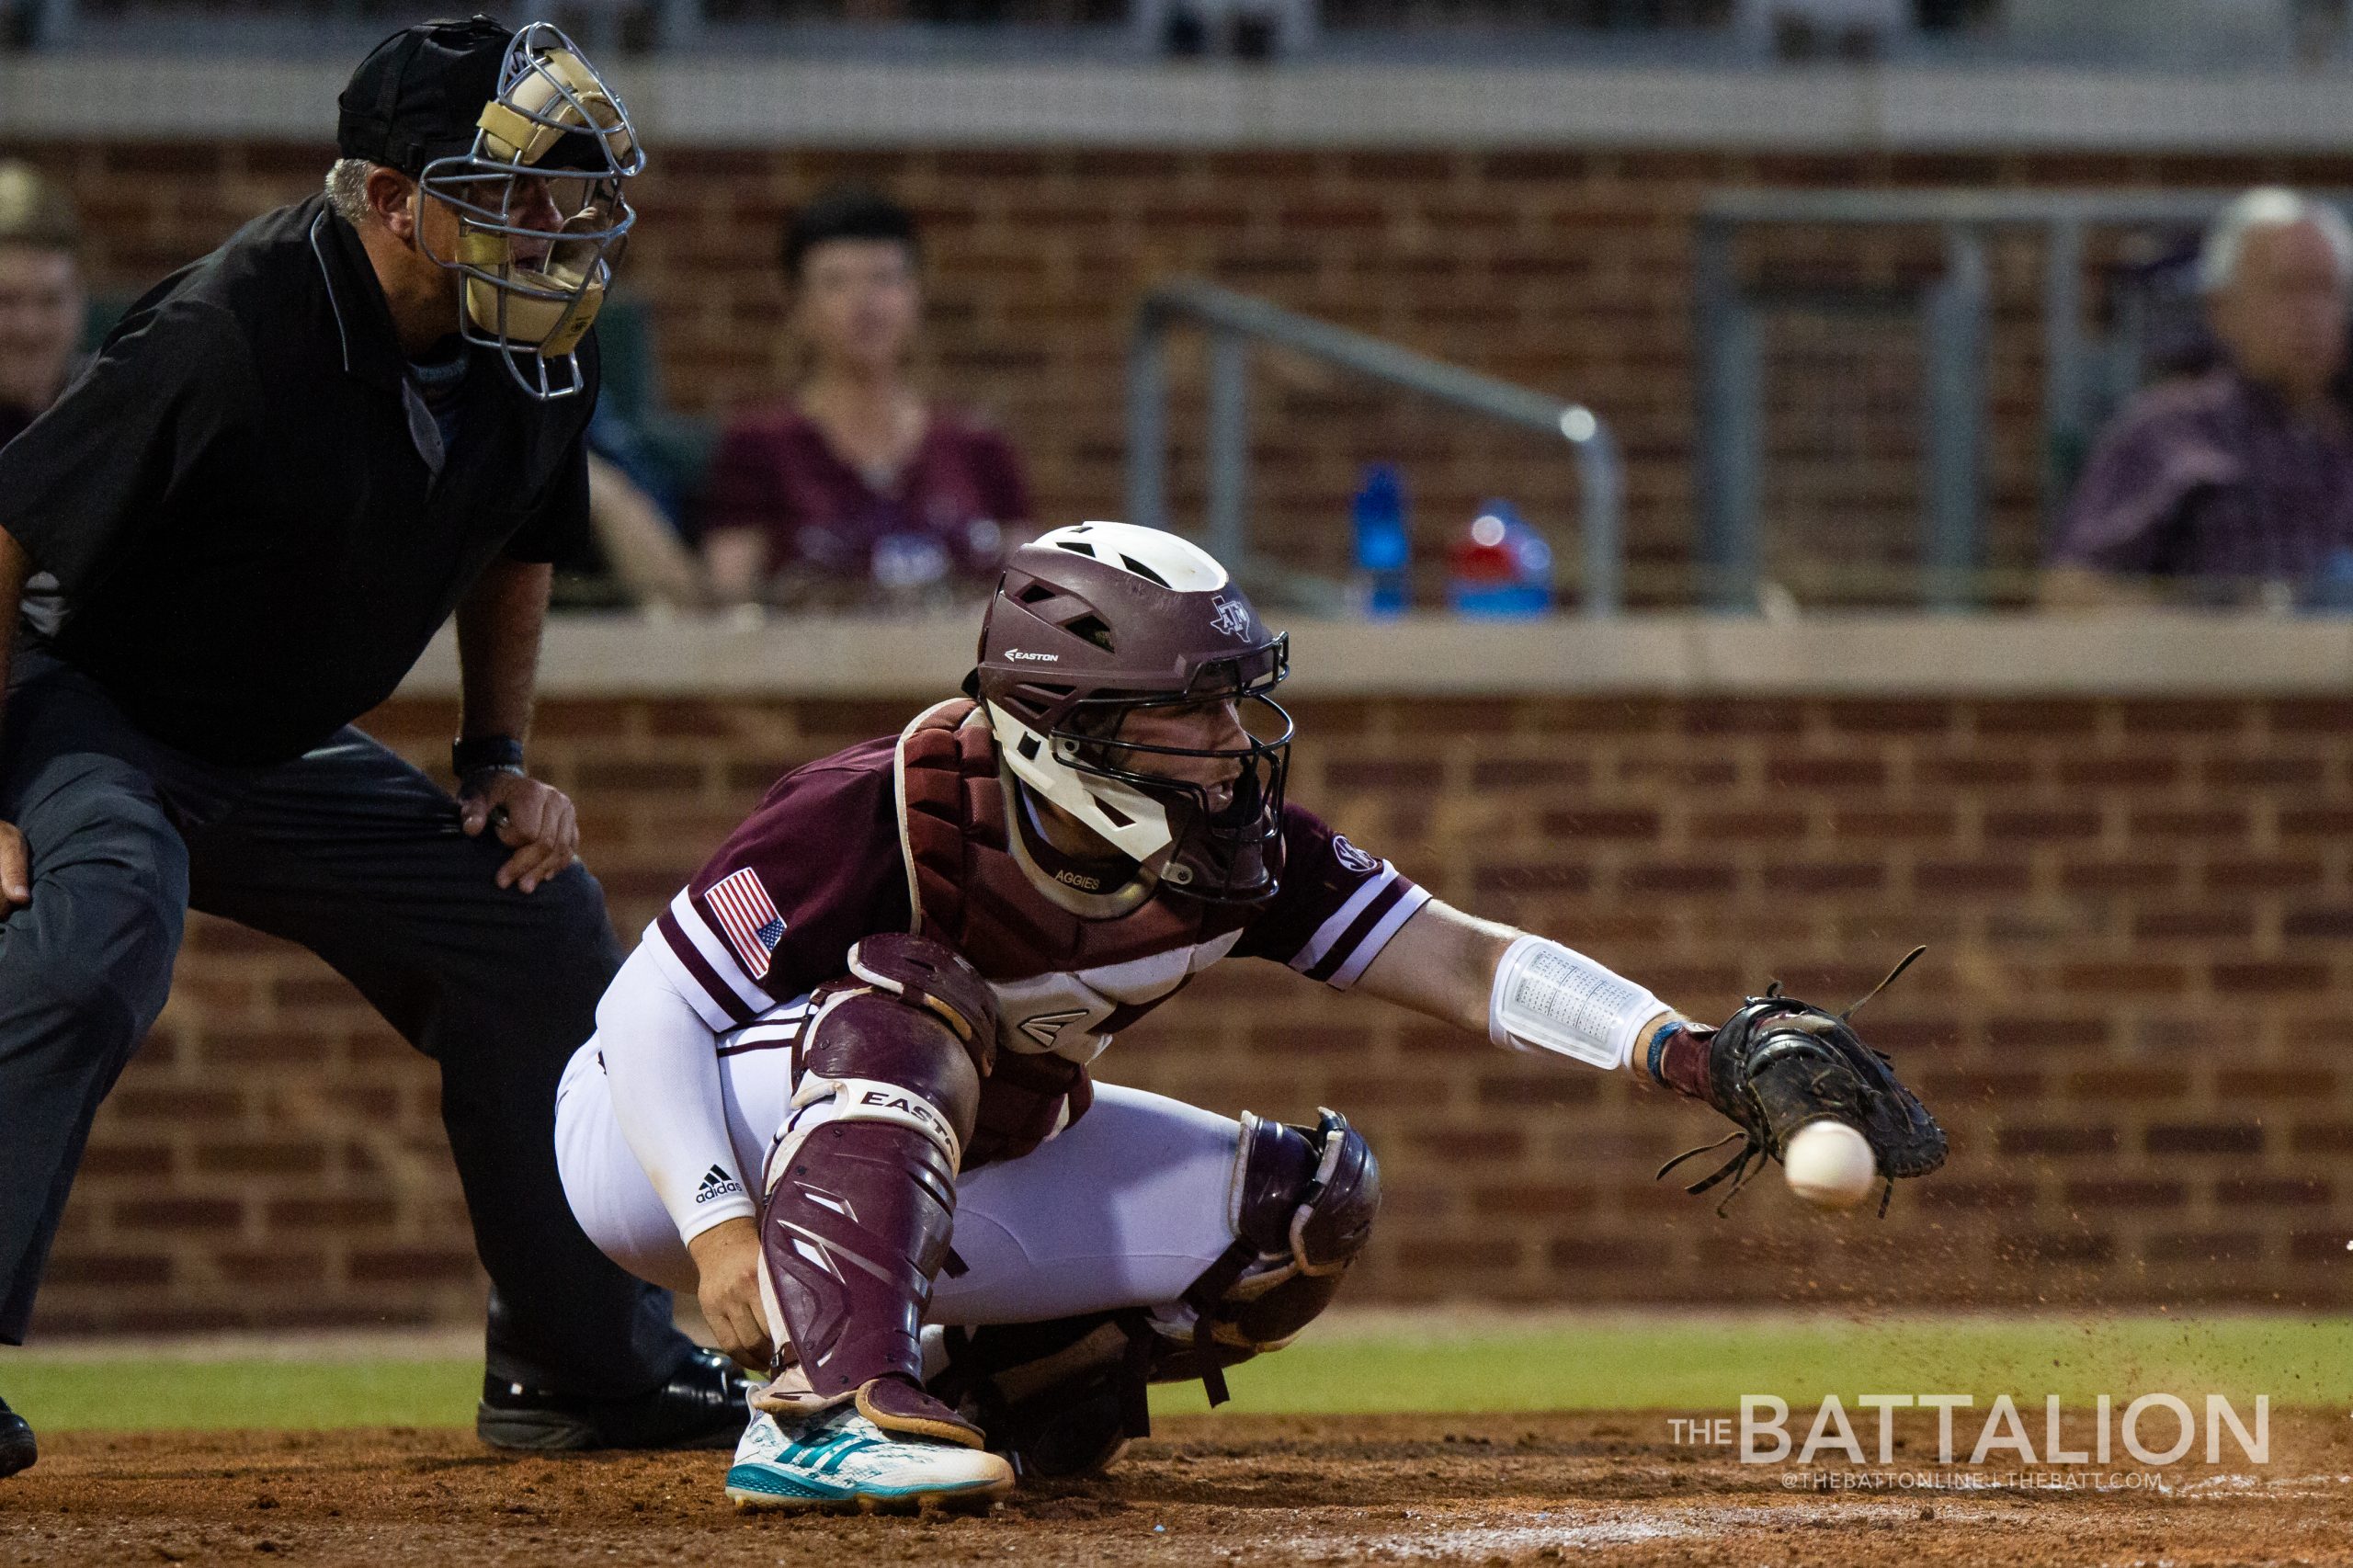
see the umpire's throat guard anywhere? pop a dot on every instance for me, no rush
(541, 216)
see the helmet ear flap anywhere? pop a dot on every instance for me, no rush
(1051, 765)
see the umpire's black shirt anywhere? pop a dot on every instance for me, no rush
(245, 503)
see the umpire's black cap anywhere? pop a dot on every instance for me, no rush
(417, 94)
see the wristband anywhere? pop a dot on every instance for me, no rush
(1658, 1049)
(470, 755)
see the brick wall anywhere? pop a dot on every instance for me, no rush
(2131, 1017)
(1564, 270)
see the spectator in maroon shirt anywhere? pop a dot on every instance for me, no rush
(41, 296)
(859, 490)
(2237, 484)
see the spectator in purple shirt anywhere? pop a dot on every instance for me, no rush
(2237, 484)
(41, 296)
(859, 490)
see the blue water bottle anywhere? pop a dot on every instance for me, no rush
(1383, 551)
(1500, 567)
(2329, 591)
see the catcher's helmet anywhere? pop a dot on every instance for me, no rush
(1095, 620)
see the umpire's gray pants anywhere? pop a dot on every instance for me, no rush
(357, 856)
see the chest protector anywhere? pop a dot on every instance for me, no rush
(1064, 984)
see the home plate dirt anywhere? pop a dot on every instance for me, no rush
(1605, 1489)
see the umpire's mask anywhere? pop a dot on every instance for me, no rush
(540, 213)
(521, 137)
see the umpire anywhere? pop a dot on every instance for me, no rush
(233, 535)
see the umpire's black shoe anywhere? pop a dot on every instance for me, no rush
(17, 1449)
(703, 1406)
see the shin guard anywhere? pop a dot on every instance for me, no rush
(858, 1201)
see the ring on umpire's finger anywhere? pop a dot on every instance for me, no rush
(497, 819)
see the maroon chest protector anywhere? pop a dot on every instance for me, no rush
(970, 891)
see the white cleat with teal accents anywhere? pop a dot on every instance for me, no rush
(838, 1458)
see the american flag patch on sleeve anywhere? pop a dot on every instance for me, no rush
(748, 918)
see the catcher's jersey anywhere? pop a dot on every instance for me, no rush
(820, 864)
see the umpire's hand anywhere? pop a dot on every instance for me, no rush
(16, 871)
(535, 820)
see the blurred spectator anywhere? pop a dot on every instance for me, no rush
(1853, 31)
(2241, 477)
(42, 303)
(637, 551)
(636, 556)
(858, 491)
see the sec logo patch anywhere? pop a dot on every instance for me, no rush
(1354, 859)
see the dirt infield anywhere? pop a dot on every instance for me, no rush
(1605, 1489)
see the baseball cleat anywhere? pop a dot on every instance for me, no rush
(17, 1449)
(838, 1458)
(703, 1406)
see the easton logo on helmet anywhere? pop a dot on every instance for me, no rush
(1017, 653)
(1229, 616)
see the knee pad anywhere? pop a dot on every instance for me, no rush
(1305, 1202)
(935, 978)
(907, 1037)
(1302, 1205)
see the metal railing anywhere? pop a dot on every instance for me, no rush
(1954, 314)
(1235, 321)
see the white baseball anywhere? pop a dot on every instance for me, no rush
(1829, 1164)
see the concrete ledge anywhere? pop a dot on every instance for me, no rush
(734, 102)
(2093, 655)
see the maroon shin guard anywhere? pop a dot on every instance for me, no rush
(853, 1232)
(857, 1215)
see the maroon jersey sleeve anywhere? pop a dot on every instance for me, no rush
(774, 913)
(1335, 909)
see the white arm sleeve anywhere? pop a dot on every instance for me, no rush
(662, 1061)
(1548, 998)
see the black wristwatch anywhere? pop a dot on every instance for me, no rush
(470, 755)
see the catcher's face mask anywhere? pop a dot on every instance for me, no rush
(1219, 788)
(541, 216)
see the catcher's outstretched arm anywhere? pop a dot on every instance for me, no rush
(1452, 966)
(1773, 1068)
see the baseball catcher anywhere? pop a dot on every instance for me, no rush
(843, 1089)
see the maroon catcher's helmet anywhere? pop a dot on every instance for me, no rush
(1098, 619)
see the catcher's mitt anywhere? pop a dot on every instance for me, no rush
(1780, 1063)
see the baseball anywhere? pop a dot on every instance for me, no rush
(1829, 1164)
